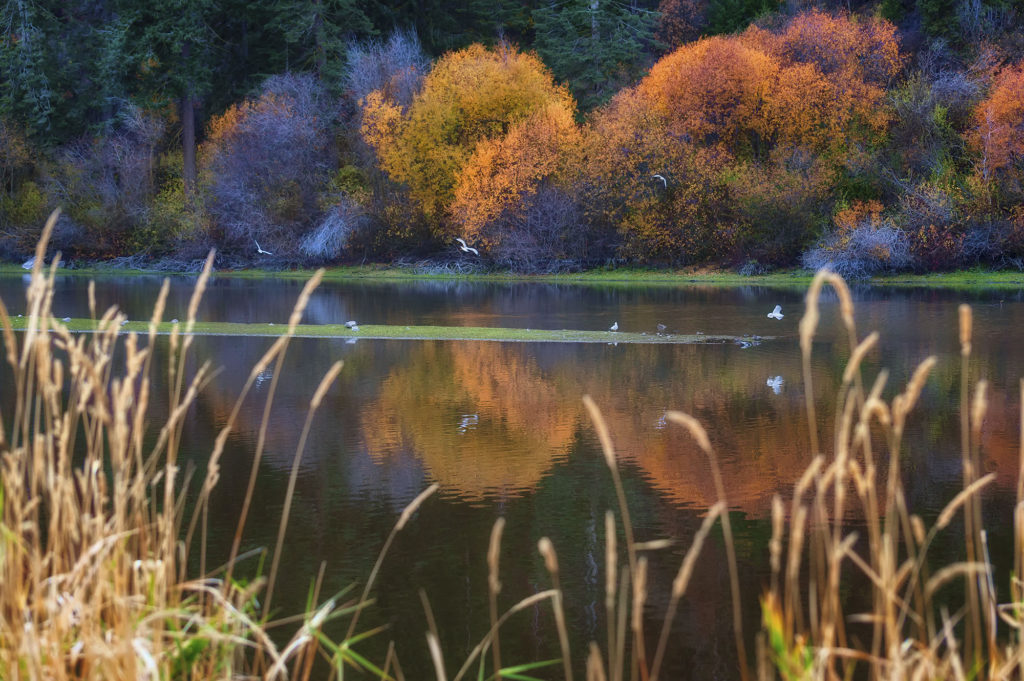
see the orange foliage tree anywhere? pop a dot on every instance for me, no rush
(998, 134)
(729, 123)
(858, 57)
(652, 183)
(504, 174)
(470, 96)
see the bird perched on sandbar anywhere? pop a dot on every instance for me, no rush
(776, 313)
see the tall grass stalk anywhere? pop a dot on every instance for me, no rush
(94, 550)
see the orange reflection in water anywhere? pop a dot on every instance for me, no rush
(487, 419)
(481, 417)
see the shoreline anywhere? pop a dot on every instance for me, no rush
(971, 278)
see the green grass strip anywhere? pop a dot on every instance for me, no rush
(975, 278)
(387, 332)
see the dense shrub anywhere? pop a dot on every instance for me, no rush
(780, 207)
(544, 234)
(328, 240)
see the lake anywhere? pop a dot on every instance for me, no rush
(500, 426)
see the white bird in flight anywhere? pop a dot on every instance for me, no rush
(614, 327)
(662, 178)
(775, 384)
(260, 250)
(467, 249)
(776, 313)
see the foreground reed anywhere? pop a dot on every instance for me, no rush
(95, 539)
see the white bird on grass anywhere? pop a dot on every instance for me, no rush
(776, 313)
(467, 249)
(260, 250)
(662, 178)
(614, 327)
(29, 264)
(351, 324)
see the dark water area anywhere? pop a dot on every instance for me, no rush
(501, 428)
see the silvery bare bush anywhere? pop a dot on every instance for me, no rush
(396, 66)
(547, 234)
(331, 236)
(264, 178)
(865, 250)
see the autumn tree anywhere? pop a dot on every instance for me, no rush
(469, 97)
(998, 131)
(742, 131)
(680, 21)
(650, 186)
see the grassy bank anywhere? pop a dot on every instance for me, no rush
(962, 279)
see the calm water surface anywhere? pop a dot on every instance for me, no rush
(501, 428)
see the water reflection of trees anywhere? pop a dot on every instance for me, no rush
(491, 419)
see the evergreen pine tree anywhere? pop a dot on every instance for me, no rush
(595, 46)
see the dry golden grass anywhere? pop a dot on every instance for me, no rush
(94, 536)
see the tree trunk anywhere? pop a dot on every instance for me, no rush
(188, 143)
(319, 39)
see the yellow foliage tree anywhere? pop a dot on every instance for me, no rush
(470, 96)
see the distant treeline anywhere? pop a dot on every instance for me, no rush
(549, 135)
